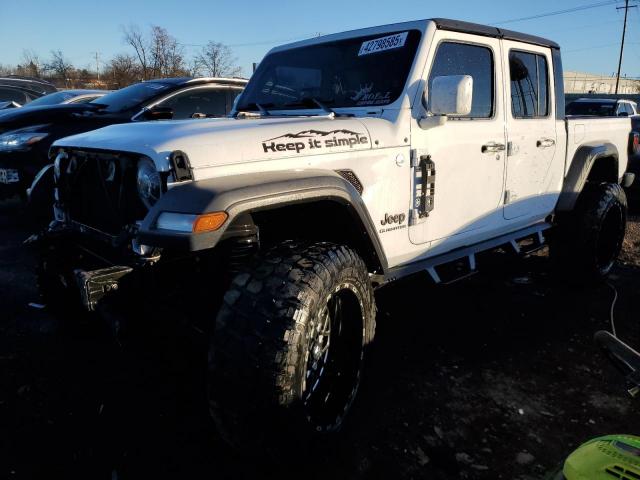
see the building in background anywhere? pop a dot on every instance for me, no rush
(584, 83)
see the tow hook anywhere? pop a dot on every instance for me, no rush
(94, 285)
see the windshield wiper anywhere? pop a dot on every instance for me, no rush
(263, 111)
(322, 105)
(304, 101)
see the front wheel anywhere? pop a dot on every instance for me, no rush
(588, 241)
(287, 352)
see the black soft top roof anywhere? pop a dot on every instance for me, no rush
(487, 31)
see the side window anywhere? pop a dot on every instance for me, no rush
(454, 58)
(529, 75)
(209, 102)
(628, 108)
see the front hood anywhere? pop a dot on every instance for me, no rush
(26, 116)
(215, 142)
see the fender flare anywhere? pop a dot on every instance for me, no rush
(245, 193)
(581, 164)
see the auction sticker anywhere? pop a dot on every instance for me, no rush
(381, 44)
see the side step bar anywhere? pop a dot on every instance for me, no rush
(430, 265)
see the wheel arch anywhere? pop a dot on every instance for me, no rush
(593, 162)
(286, 200)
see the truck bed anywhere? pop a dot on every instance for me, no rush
(583, 130)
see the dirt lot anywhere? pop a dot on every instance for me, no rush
(494, 377)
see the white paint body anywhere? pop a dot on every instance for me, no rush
(471, 186)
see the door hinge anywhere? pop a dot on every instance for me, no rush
(424, 183)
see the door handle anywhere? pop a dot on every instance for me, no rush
(545, 143)
(493, 147)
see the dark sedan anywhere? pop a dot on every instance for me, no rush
(27, 133)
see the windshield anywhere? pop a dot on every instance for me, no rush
(358, 72)
(132, 96)
(598, 109)
(51, 99)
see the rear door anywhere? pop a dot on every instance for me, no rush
(531, 131)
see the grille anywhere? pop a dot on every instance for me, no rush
(99, 190)
(352, 178)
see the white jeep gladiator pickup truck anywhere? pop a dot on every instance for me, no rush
(350, 161)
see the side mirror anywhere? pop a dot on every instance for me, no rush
(158, 113)
(449, 95)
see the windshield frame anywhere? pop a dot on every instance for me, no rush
(415, 40)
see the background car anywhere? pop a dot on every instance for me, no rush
(23, 90)
(612, 107)
(27, 133)
(64, 97)
(602, 107)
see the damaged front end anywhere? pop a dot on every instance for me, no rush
(118, 237)
(101, 199)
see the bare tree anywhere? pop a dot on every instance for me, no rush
(31, 63)
(59, 66)
(123, 70)
(6, 70)
(158, 54)
(136, 40)
(166, 53)
(217, 60)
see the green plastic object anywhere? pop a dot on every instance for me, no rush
(605, 458)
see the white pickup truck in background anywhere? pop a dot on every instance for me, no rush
(351, 160)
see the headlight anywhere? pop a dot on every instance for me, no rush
(149, 182)
(21, 139)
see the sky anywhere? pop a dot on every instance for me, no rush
(590, 38)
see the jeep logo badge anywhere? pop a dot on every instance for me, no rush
(389, 219)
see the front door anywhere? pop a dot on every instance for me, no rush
(466, 155)
(531, 127)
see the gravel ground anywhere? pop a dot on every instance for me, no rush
(494, 377)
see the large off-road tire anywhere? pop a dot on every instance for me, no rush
(588, 241)
(287, 352)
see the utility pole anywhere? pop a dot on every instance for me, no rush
(97, 64)
(624, 32)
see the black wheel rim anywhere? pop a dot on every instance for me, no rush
(333, 360)
(610, 238)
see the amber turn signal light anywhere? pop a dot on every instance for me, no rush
(209, 222)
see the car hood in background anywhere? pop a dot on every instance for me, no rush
(22, 117)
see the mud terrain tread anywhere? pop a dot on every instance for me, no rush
(254, 349)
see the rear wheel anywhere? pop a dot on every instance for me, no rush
(287, 352)
(588, 241)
